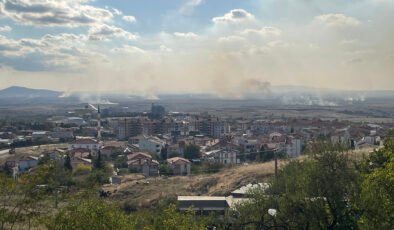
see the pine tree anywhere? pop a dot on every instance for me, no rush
(98, 164)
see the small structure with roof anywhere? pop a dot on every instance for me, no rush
(246, 190)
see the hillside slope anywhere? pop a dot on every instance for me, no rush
(141, 192)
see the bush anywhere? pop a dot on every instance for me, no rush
(166, 170)
(82, 169)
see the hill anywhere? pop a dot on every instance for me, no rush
(23, 92)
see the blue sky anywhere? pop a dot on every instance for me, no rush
(210, 46)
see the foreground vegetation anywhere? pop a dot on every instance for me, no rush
(326, 190)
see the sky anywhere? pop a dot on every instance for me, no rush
(222, 47)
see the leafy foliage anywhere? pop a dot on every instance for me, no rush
(315, 193)
(88, 213)
(377, 193)
(192, 152)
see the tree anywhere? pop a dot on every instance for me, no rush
(168, 218)
(377, 190)
(25, 199)
(192, 152)
(98, 162)
(44, 160)
(87, 213)
(163, 153)
(316, 193)
(67, 163)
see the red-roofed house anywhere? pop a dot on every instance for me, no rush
(179, 165)
(143, 163)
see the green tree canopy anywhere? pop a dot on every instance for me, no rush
(315, 193)
(192, 152)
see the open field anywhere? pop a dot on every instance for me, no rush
(144, 192)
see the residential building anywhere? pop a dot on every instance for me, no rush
(179, 165)
(213, 127)
(293, 147)
(125, 128)
(64, 135)
(151, 145)
(85, 143)
(40, 136)
(157, 111)
(223, 156)
(143, 163)
(78, 121)
(108, 150)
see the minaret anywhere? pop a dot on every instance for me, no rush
(98, 123)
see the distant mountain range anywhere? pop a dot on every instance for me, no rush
(23, 92)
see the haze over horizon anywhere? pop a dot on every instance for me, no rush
(224, 47)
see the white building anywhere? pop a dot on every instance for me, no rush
(74, 121)
(40, 135)
(249, 145)
(151, 144)
(293, 147)
(223, 156)
(85, 143)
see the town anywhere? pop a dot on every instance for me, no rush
(158, 139)
(196, 115)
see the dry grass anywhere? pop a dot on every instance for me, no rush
(144, 192)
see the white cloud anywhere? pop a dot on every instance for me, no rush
(265, 32)
(337, 20)
(189, 6)
(234, 16)
(164, 48)
(106, 32)
(5, 28)
(117, 12)
(67, 13)
(278, 44)
(185, 35)
(61, 52)
(129, 18)
(232, 38)
(129, 49)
